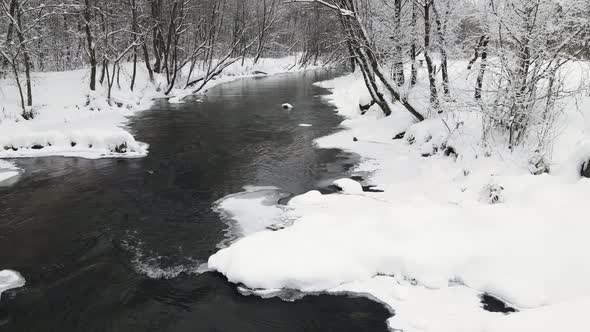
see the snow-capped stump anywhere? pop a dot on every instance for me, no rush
(122, 148)
(372, 189)
(428, 149)
(492, 194)
(538, 165)
(400, 135)
(365, 102)
(287, 106)
(348, 186)
(493, 304)
(450, 151)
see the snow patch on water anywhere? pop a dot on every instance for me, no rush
(7, 171)
(253, 210)
(10, 279)
(304, 125)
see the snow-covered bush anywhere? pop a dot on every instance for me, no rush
(452, 133)
(491, 194)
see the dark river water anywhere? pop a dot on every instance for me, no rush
(115, 245)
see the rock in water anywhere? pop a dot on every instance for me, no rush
(585, 169)
(287, 106)
(10, 279)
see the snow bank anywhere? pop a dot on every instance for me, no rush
(429, 246)
(351, 238)
(72, 121)
(28, 140)
(10, 279)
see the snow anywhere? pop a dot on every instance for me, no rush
(287, 106)
(10, 279)
(349, 186)
(7, 170)
(72, 121)
(570, 316)
(305, 125)
(237, 210)
(431, 244)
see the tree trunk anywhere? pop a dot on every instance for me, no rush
(158, 41)
(134, 35)
(352, 56)
(10, 29)
(90, 43)
(105, 63)
(429, 64)
(359, 48)
(441, 29)
(399, 63)
(146, 57)
(413, 50)
(26, 57)
(482, 67)
(25, 114)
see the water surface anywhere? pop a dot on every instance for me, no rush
(114, 245)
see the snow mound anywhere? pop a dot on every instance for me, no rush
(460, 130)
(570, 316)
(112, 142)
(10, 279)
(572, 168)
(349, 186)
(7, 170)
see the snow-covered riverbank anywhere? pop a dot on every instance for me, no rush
(70, 121)
(450, 226)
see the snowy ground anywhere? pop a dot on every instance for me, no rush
(71, 121)
(446, 230)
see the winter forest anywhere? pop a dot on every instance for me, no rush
(421, 165)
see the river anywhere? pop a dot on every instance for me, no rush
(116, 244)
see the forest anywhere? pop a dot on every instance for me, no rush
(517, 45)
